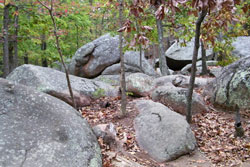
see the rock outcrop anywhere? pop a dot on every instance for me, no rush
(181, 81)
(241, 47)
(40, 130)
(132, 65)
(164, 134)
(178, 57)
(232, 86)
(54, 82)
(187, 68)
(91, 59)
(139, 84)
(176, 98)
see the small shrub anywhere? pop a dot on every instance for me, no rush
(228, 60)
(99, 93)
(129, 93)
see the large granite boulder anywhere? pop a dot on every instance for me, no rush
(178, 57)
(164, 134)
(176, 98)
(139, 84)
(54, 82)
(241, 47)
(40, 130)
(232, 86)
(132, 64)
(91, 59)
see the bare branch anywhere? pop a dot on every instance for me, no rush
(45, 5)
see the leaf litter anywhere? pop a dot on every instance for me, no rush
(214, 132)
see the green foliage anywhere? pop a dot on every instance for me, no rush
(99, 93)
(228, 60)
(73, 24)
(129, 93)
(79, 22)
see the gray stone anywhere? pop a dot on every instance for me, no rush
(139, 84)
(47, 80)
(40, 130)
(164, 134)
(199, 64)
(91, 59)
(181, 81)
(132, 58)
(232, 86)
(113, 80)
(115, 69)
(132, 65)
(158, 70)
(178, 57)
(107, 132)
(241, 47)
(215, 71)
(176, 98)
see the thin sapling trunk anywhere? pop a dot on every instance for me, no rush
(6, 18)
(203, 59)
(16, 39)
(59, 49)
(239, 131)
(201, 17)
(122, 77)
(162, 59)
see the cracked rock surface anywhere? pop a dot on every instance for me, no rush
(175, 97)
(46, 80)
(40, 130)
(232, 86)
(91, 59)
(164, 134)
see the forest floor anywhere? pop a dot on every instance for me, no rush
(214, 132)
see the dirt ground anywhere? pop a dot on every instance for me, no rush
(214, 132)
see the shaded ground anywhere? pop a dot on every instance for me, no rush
(214, 132)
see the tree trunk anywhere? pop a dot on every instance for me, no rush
(194, 60)
(26, 58)
(11, 57)
(122, 77)
(44, 47)
(102, 23)
(203, 59)
(16, 40)
(239, 131)
(162, 58)
(140, 48)
(154, 56)
(6, 18)
(91, 2)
